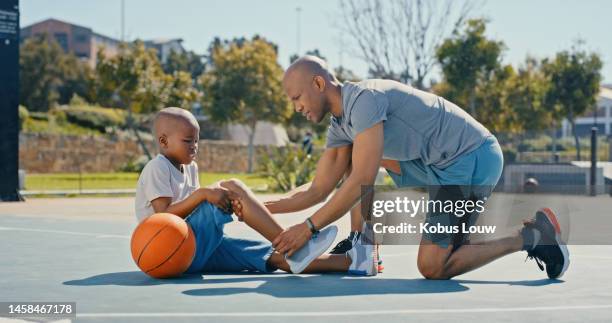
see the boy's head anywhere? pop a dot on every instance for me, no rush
(177, 133)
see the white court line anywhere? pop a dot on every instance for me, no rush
(88, 234)
(353, 313)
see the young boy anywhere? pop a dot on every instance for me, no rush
(169, 183)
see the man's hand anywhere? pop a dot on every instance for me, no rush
(219, 197)
(292, 239)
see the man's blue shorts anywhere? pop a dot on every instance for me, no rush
(216, 252)
(478, 170)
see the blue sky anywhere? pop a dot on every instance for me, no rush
(528, 27)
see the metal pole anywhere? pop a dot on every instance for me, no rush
(9, 101)
(298, 31)
(593, 179)
(122, 21)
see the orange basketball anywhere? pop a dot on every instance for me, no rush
(163, 245)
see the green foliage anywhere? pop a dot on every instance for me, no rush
(134, 165)
(117, 180)
(187, 61)
(343, 74)
(574, 78)
(244, 85)
(134, 79)
(97, 118)
(525, 94)
(314, 52)
(288, 167)
(23, 115)
(48, 76)
(505, 100)
(177, 90)
(467, 59)
(50, 125)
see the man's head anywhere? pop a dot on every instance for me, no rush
(307, 83)
(177, 132)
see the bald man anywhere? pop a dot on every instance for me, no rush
(422, 140)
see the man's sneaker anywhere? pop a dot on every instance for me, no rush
(315, 247)
(542, 236)
(364, 260)
(345, 245)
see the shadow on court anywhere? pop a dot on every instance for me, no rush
(283, 286)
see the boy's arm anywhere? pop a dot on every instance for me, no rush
(217, 196)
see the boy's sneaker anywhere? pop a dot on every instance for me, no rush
(542, 238)
(315, 247)
(364, 260)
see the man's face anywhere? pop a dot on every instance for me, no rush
(307, 96)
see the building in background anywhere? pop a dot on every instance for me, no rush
(602, 119)
(81, 41)
(165, 46)
(84, 43)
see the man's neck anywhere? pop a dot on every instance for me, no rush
(336, 100)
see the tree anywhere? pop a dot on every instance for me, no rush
(525, 94)
(343, 74)
(468, 58)
(314, 52)
(244, 85)
(398, 38)
(574, 78)
(48, 75)
(187, 61)
(134, 79)
(489, 96)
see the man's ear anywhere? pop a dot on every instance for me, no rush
(163, 141)
(319, 83)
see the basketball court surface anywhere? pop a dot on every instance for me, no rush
(77, 250)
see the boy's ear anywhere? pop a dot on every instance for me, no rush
(163, 141)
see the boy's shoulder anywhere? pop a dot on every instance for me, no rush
(156, 169)
(157, 163)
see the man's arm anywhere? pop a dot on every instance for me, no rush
(331, 167)
(366, 156)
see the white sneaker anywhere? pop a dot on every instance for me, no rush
(315, 247)
(363, 256)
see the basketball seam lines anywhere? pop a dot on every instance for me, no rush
(170, 256)
(148, 242)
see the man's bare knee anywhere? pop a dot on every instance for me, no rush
(433, 272)
(432, 261)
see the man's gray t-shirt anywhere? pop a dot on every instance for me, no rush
(417, 124)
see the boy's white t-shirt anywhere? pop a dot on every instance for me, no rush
(160, 178)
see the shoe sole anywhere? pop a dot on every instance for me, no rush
(373, 270)
(552, 218)
(317, 253)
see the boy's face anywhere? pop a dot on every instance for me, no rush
(181, 144)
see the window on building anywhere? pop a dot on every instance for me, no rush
(62, 40)
(80, 38)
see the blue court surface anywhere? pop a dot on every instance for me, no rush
(78, 250)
